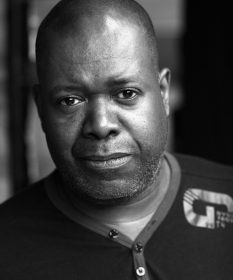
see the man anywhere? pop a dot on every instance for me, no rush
(118, 206)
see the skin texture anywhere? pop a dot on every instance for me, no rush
(103, 108)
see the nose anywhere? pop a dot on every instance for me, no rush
(100, 120)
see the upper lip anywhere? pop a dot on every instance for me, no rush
(105, 157)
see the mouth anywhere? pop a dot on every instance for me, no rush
(111, 161)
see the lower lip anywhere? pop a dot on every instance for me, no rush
(108, 164)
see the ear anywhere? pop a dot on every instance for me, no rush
(164, 83)
(37, 97)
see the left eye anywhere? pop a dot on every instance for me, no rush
(126, 94)
(70, 101)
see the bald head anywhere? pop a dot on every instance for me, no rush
(83, 18)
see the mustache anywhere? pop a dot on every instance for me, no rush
(103, 149)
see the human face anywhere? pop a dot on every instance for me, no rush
(102, 107)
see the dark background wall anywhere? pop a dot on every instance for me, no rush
(205, 125)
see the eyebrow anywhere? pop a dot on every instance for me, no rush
(59, 88)
(112, 81)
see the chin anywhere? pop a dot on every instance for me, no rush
(108, 191)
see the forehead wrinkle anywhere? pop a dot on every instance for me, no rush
(99, 69)
(100, 60)
(101, 75)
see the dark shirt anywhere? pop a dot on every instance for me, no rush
(189, 237)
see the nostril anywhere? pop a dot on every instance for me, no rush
(101, 135)
(100, 128)
(113, 133)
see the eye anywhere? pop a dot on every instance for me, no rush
(126, 94)
(70, 100)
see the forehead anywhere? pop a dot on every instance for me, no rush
(95, 39)
(112, 48)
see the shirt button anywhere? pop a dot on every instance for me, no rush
(113, 233)
(138, 247)
(140, 271)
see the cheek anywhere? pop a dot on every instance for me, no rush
(151, 124)
(60, 132)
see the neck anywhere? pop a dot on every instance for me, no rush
(145, 204)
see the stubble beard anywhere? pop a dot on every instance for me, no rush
(77, 183)
(125, 189)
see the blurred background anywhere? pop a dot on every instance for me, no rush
(195, 42)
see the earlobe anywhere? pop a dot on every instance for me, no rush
(37, 98)
(164, 83)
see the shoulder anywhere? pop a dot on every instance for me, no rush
(200, 167)
(26, 203)
(205, 176)
(206, 192)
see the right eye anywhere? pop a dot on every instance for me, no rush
(70, 101)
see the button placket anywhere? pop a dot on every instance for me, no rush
(139, 261)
